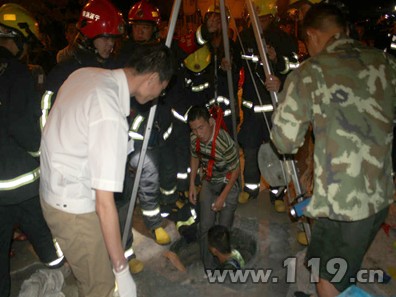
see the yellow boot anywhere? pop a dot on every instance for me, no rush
(135, 266)
(302, 238)
(279, 206)
(243, 197)
(161, 236)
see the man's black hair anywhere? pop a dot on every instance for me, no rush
(219, 238)
(198, 111)
(145, 58)
(319, 16)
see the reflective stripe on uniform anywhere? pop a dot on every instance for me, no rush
(252, 186)
(135, 135)
(199, 37)
(200, 87)
(129, 252)
(55, 262)
(257, 108)
(135, 127)
(290, 65)
(263, 108)
(393, 43)
(20, 181)
(168, 132)
(247, 104)
(35, 154)
(189, 222)
(182, 175)
(182, 118)
(151, 213)
(59, 253)
(45, 107)
(168, 192)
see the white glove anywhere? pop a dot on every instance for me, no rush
(126, 284)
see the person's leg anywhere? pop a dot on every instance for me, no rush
(344, 244)
(80, 238)
(207, 220)
(226, 216)
(8, 217)
(251, 172)
(167, 168)
(148, 192)
(36, 229)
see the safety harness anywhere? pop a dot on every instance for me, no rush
(217, 113)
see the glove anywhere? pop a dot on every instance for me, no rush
(126, 284)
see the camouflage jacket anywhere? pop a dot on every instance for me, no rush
(348, 93)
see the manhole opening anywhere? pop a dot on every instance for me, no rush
(244, 242)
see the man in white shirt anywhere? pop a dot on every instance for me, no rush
(83, 156)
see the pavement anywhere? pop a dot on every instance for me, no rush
(267, 240)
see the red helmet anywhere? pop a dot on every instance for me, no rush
(100, 18)
(144, 11)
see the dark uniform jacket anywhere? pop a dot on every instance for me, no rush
(19, 130)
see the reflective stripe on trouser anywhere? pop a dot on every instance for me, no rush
(148, 193)
(28, 215)
(168, 172)
(251, 172)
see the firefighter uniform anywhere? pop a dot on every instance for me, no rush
(257, 115)
(143, 19)
(19, 145)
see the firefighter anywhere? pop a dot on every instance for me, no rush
(143, 20)
(19, 144)
(254, 131)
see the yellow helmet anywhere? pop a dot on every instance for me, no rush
(18, 20)
(214, 8)
(198, 60)
(264, 7)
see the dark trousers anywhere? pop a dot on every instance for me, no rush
(29, 217)
(208, 218)
(251, 172)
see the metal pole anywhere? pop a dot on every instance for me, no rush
(147, 133)
(226, 44)
(262, 47)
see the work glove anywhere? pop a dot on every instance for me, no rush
(125, 283)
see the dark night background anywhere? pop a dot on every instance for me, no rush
(53, 14)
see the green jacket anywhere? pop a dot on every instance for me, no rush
(348, 93)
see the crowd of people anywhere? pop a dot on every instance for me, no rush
(72, 136)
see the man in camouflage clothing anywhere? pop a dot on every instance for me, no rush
(348, 92)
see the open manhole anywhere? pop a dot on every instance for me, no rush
(189, 254)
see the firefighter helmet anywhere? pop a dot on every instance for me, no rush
(198, 60)
(19, 21)
(100, 18)
(144, 11)
(265, 7)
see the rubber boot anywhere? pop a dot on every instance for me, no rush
(135, 265)
(302, 238)
(243, 197)
(161, 236)
(279, 206)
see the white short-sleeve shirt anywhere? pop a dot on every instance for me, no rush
(84, 142)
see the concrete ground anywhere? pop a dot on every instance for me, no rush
(270, 244)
